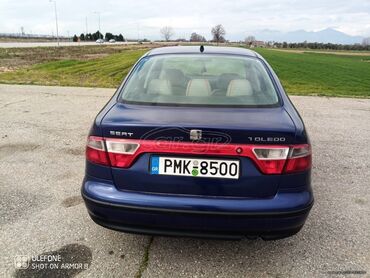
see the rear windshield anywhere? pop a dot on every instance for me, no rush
(200, 80)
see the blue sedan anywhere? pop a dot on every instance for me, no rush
(199, 141)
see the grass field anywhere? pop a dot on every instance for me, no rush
(310, 73)
(302, 73)
(87, 66)
(105, 71)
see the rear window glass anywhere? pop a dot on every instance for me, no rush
(205, 80)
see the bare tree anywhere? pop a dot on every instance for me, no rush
(167, 32)
(218, 33)
(366, 41)
(249, 40)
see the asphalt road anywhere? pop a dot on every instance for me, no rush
(42, 137)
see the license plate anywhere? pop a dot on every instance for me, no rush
(194, 167)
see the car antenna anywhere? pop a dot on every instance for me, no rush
(201, 48)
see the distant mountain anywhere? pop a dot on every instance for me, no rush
(328, 35)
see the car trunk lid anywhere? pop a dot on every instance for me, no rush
(246, 126)
(218, 125)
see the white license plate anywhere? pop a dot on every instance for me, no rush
(194, 167)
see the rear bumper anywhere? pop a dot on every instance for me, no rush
(160, 214)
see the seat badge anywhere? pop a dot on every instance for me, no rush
(195, 134)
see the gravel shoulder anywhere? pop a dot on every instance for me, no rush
(42, 136)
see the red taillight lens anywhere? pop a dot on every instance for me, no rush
(300, 159)
(271, 160)
(117, 153)
(121, 152)
(95, 150)
(277, 160)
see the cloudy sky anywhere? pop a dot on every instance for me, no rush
(144, 18)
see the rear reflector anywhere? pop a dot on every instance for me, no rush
(270, 159)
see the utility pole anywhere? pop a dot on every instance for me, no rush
(98, 13)
(138, 32)
(56, 18)
(86, 26)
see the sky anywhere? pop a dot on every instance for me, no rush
(144, 18)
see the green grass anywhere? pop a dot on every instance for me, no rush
(301, 73)
(101, 72)
(321, 74)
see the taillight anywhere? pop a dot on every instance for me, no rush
(277, 160)
(271, 160)
(120, 152)
(95, 150)
(300, 159)
(117, 153)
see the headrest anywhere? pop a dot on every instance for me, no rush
(239, 87)
(159, 87)
(224, 80)
(176, 77)
(198, 87)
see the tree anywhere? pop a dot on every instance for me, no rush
(120, 38)
(249, 40)
(194, 37)
(167, 32)
(75, 38)
(108, 36)
(82, 37)
(97, 35)
(218, 33)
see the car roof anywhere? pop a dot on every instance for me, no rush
(207, 50)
